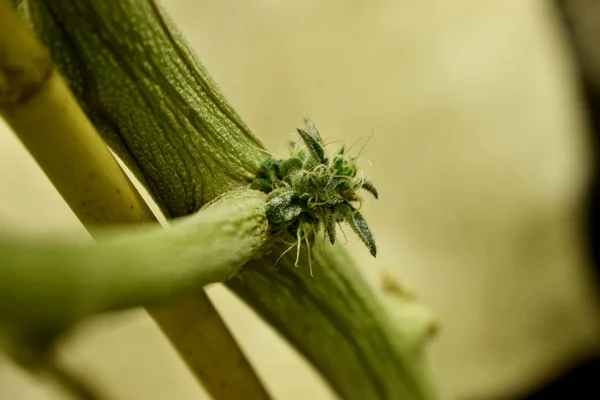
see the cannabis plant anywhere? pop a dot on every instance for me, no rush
(89, 72)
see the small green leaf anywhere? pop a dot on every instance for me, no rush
(359, 225)
(368, 186)
(330, 227)
(314, 147)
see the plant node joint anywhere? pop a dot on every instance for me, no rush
(311, 189)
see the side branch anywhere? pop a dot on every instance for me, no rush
(46, 285)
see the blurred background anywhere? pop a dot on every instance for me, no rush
(480, 155)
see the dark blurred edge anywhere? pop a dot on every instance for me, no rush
(581, 26)
(579, 382)
(581, 22)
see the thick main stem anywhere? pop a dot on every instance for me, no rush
(156, 105)
(42, 111)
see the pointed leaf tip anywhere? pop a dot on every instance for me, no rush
(368, 186)
(360, 227)
(330, 228)
(314, 147)
(312, 129)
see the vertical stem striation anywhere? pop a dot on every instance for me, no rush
(153, 103)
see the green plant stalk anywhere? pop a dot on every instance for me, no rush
(49, 284)
(37, 104)
(157, 107)
(190, 119)
(48, 288)
(41, 110)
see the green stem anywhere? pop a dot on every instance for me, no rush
(338, 323)
(42, 111)
(156, 105)
(46, 284)
(142, 88)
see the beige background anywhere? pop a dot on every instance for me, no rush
(478, 153)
